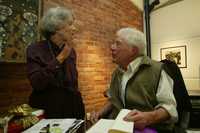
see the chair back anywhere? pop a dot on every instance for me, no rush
(184, 105)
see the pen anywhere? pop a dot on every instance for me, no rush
(48, 128)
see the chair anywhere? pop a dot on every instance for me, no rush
(181, 95)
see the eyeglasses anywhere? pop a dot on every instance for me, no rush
(67, 28)
(116, 44)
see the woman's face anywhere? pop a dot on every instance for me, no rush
(65, 33)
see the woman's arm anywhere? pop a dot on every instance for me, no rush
(40, 75)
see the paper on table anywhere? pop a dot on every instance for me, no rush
(102, 126)
(113, 126)
(120, 125)
(64, 125)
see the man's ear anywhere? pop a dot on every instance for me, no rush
(135, 50)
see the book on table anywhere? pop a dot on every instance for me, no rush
(113, 126)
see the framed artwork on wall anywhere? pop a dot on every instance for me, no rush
(18, 28)
(176, 54)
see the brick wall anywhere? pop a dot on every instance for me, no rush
(14, 85)
(97, 20)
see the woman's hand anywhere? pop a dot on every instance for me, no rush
(64, 53)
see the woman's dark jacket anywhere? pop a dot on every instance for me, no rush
(55, 86)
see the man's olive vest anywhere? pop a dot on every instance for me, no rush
(140, 92)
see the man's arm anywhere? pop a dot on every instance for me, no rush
(95, 116)
(165, 96)
(144, 119)
(165, 110)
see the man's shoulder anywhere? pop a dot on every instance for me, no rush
(151, 62)
(157, 63)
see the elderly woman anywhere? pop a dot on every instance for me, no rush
(52, 69)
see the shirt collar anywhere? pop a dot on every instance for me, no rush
(132, 65)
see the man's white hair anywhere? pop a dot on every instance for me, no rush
(133, 37)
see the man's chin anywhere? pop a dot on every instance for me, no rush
(114, 61)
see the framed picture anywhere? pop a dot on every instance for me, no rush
(176, 54)
(18, 28)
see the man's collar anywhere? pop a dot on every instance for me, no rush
(132, 65)
(139, 61)
(146, 61)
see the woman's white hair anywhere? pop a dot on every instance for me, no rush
(54, 18)
(133, 37)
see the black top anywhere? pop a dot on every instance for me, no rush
(55, 86)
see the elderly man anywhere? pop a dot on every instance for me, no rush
(139, 84)
(52, 69)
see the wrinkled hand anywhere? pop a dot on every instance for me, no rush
(140, 119)
(64, 53)
(66, 50)
(94, 117)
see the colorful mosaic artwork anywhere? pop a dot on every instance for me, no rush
(18, 28)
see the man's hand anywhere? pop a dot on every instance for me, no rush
(143, 119)
(64, 53)
(94, 117)
(140, 119)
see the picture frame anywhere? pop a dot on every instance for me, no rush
(177, 54)
(18, 28)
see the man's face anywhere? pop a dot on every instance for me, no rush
(121, 51)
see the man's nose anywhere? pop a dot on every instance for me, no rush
(74, 29)
(113, 46)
